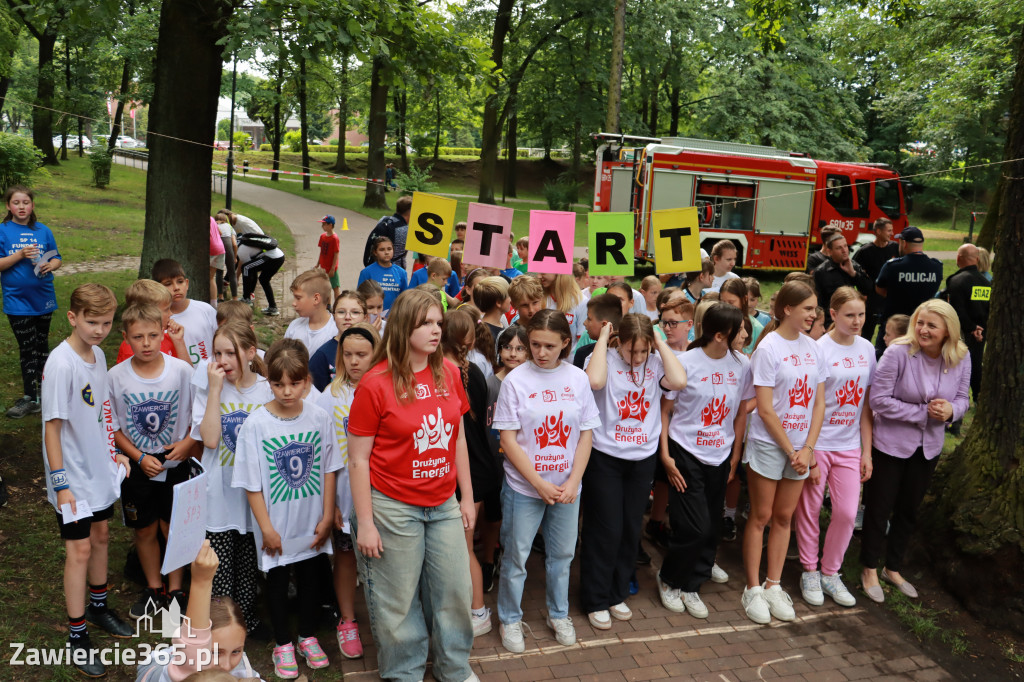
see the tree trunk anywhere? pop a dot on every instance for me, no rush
(987, 233)
(42, 115)
(512, 143)
(67, 88)
(5, 84)
(982, 484)
(674, 109)
(437, 135)
(491, 127)
(303, 123)
(275, 143)
(654, 111)
(401, 100)
(340, 164)
(378, 128)
(611, 123)
(126, 76)
(183, 118)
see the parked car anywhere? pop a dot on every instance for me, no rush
(125, 142)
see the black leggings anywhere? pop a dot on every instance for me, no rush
(307, 583)
(262, 268)
(32, 333)
(230, 271)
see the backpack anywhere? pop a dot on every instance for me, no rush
(256, 240)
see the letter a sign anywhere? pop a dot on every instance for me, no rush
(552, 235)
(676, 240)
(430, 225)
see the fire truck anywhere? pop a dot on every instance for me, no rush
(771, 203)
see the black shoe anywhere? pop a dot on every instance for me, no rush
(488, 575)
(86, 658)
(180, 597)
(107, 620)
(260, 633)
(148, 604)
(728, 529)
(657, 532)
(642, 557)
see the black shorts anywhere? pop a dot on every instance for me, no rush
(660, 476)
(492, 506)
(82, 528)
(145, 501)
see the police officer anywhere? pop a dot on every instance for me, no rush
(394, 227)
(872, 257)
(839, 271)
(908, 281)
(968, 291)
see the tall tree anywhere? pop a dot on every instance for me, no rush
(182, 121)
(611, 123)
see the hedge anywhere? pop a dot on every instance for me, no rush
(330, 148)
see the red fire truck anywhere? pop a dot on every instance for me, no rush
(772, 204)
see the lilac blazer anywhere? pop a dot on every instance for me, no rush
(902, 387)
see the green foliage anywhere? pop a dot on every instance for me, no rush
(416, 180)
(293, 140)
(562, 193)
(100, 161)
(19, 160)
(223, 126)
(242, 140)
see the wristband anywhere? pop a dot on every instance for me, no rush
(813, 466)
(142, 456)
(59, 480)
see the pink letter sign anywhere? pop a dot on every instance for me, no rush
(488, 233)
(552, 237)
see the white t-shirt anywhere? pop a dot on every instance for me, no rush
(575, 318)
(75, 392)
(478, 359)
(313, 338)
(155, 412)
(639, 303)
(630, 413)
(793, 369)
(200, 322)
(227, 507)
(244, 225)
(851, 370)
(703, 412)
(287, 460)
(338, 407)
(548, 408)
(717, 282)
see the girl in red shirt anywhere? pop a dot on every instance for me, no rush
(407, 447)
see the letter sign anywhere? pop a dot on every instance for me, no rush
(610, 242)
(552, 237)
(488, 233)
(676, 240)
(430, 224)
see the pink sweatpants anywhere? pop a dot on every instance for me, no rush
(841, 471)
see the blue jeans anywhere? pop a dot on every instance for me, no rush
(522, 516)
(423, 573)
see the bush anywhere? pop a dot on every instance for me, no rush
(293, 140)
(100, 160)
(935, 199)
(19, 160)
(562, 193)
(416, 180)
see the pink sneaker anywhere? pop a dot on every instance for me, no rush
(348, 639)
(285, 665)
(311, 651)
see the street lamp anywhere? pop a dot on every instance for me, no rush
(231, 134)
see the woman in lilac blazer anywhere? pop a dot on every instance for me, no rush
(920, 385)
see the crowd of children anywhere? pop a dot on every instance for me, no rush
(429, 438)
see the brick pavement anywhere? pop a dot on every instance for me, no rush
(823, 644)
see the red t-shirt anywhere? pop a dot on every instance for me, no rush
(166, 347)
(413, 457)
(329, 245)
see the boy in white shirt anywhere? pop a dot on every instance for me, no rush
(81, 467)
(311, 296)
(151, 397)
(197, 317)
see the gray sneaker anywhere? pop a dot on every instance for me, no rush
(272, 311)
(810, 588)
(24, 406)
(833, 586)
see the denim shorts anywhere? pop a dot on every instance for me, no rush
(769, 461)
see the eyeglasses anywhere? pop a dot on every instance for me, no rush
(517, 349)
(672, 324)
(348, 313)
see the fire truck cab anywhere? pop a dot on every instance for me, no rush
(771, 203)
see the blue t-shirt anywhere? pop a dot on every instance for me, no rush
(321, 364)
(511, 273)
(452, 287)
(24, 293)
(391, 279)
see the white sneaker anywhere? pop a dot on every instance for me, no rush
(755, 606)
(565, 633)
(512, 637)
(718, 575)
(694, 606)
(671, 598)
(481, 624)
(621, 612)
(833, 586)
(779, 603)
(601, 620)
(810, 588)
